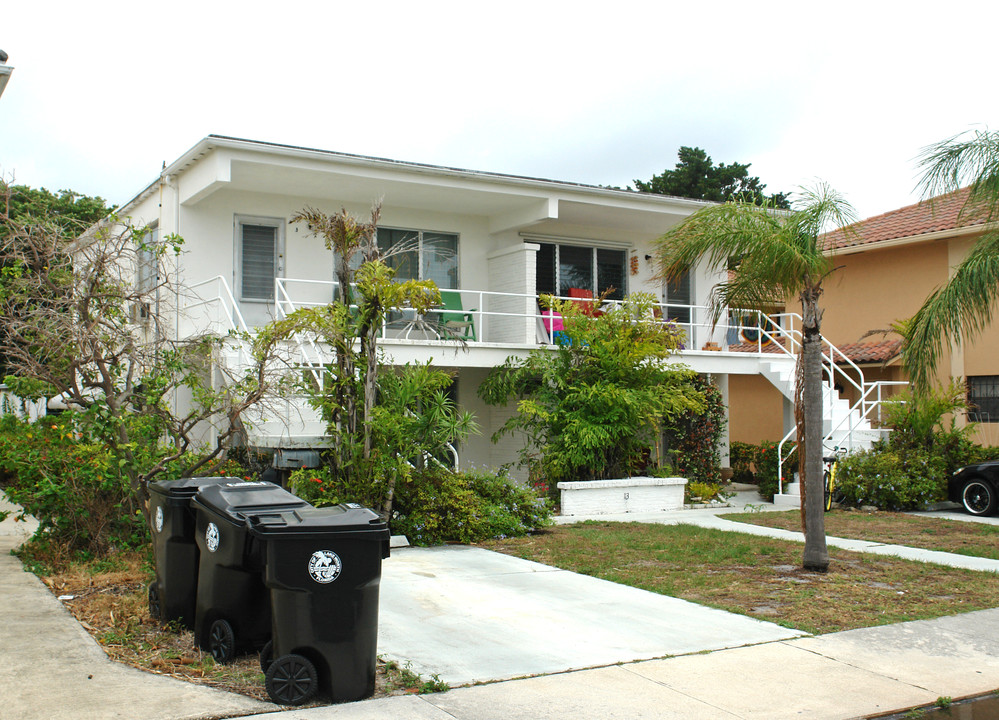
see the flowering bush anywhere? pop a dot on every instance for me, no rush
(765, 463)
(71, 485)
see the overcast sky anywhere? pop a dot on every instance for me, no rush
(602, 93)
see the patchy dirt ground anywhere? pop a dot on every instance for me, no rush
(112, 606)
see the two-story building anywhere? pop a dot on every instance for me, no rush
(495, 241)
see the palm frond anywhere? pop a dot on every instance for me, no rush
(957, 312)
(777, 251)
(969, 158)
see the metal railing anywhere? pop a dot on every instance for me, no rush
(516, 319)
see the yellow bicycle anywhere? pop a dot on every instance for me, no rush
(829, 478)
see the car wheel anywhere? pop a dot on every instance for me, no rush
(978, 497)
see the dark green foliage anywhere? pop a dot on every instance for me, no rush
(910, 468)
(436, 506)
(740, 458)
(765, 464)
(691, 438)
(892, 478)
(696, 176)
(592, 408)
(71, 484)
(69, 211)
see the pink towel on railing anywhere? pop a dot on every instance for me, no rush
(552, 321)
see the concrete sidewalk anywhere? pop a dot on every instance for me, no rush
(836, 676)
(52, 668)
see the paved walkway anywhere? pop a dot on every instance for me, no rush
(52, 668)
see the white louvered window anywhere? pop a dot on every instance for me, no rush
(259, 257)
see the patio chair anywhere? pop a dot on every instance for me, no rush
(454, 322)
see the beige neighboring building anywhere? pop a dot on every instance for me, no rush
(886, 268)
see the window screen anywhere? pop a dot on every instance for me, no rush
(259, 261)
(983, 398)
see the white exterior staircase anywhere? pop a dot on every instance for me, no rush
(845, 427)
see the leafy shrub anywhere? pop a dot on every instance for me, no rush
(910, 468)
(765, 462)
(73, 487)
(741, 456)
(890, 479)
(696, 491)
(433, 506)
(692, 436)
(436, 506)
(592, 407)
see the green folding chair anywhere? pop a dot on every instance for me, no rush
(454, 322)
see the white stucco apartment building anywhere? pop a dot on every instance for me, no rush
(498, 240)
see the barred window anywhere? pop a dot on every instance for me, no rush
(983, 398)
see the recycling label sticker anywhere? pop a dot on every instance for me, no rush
(159, 518)
(212, 537)
(325, 566)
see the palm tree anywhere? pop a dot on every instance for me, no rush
(779, 256)
(963, 307)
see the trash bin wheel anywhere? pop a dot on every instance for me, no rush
(155, 606)
(291, 680)
(222, 641)
(265, 656)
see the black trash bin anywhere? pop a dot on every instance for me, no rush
(232, 612)
(173, 593)
(323, 567)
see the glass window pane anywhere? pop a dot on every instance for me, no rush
(983, 398)
(259, 262)
(610, 272)
(440, 259)
(545, 272)
(678, 294)
(405, 263)
(575, 269)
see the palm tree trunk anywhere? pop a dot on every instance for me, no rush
(816, 555)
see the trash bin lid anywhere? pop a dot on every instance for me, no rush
(347, 519)
(185, 487)
(240, 499)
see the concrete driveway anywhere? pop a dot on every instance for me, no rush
(468, 614)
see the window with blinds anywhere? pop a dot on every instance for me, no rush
(258, 255)
(678, 298)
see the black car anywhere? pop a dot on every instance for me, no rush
(976, 487)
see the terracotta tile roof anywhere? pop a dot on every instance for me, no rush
(869, 352)
(753, 347)
(934, 215)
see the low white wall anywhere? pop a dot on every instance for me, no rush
(637, 494)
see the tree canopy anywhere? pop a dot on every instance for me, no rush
(961, 309)
(697, 177)
(780, 256)
(70, 211)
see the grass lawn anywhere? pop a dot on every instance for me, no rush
(760, 577)
(963, 538)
